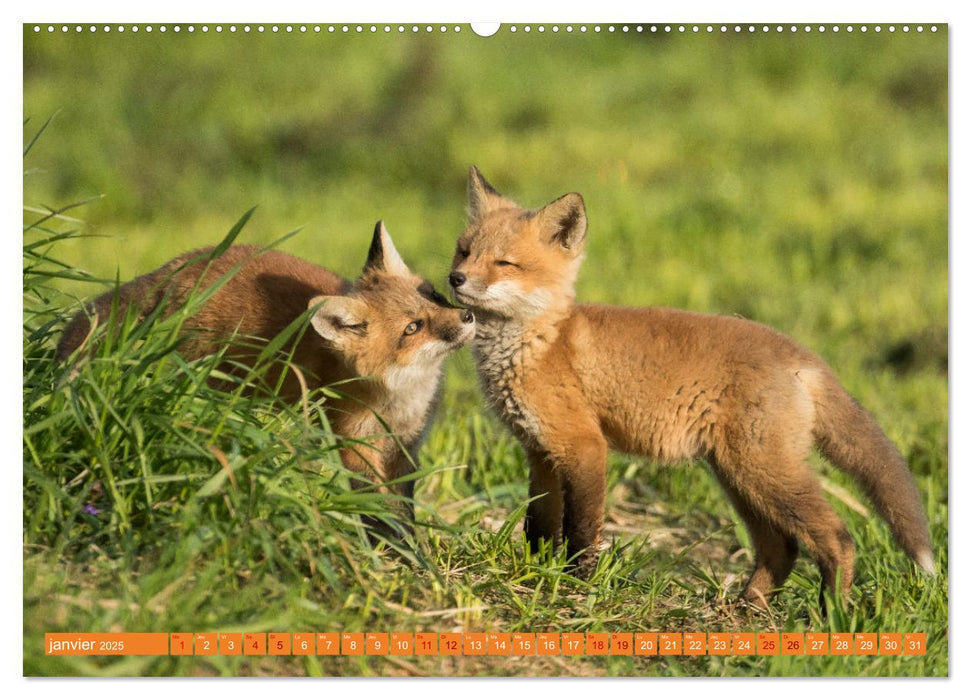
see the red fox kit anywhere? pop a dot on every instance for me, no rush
(572, 380)
(390, 328)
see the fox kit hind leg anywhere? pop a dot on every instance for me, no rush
(778, 511)
(775, 551)
(761, 460)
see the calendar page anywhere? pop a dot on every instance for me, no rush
(449, 350)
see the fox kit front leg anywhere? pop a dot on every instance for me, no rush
(571, 467)
(404, 463)
(379, 460)
(584, 478)
(544, 514)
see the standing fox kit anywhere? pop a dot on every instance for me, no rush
(390, 328)
(572, 381)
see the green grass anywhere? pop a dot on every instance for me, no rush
(797, 180)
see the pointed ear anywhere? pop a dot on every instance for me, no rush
(338, 318)
(483, 198)
(564, 222)
(382, 255)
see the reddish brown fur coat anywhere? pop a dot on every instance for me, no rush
(573, 381)
(359, 331)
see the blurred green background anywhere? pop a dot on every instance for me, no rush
(799, 179)
(751, 174)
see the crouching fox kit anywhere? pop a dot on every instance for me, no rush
(572, 381)
(390, 328)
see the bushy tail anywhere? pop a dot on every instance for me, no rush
(850, 438)
(140, 296)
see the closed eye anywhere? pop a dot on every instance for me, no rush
(505, 263)
(463, 252)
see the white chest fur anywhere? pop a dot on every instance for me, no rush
(502, 349)
(411, 393)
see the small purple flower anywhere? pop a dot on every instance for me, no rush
(91, 510)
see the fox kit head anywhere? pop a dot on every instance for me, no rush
(514, 263)
(393, 323)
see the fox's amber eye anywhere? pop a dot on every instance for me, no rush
(413, 327)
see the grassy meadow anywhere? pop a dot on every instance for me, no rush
(796, 179)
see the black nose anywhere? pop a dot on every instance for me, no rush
(467, 316)
(456, 279)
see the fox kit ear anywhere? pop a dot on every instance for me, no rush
(337, 318)
(383, 256)
(564, 222)
(483, 198)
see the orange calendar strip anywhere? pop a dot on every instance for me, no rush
(328, 644)
(719, 643)
(231, 644)
(377, 644)
(122, 644)
(254, 644)
(597, 643)
(402, 643)
(891, 644)
(767, 643)
(278, 644)
(864, 644)
(500, 644)
(817, 643)
(645, 644)
(303, 643)
(426, 644)
(206, 644)
(450, 644)
(793, 644)
(352, 644)
(572, 643)
(181, 644)
(669, 643)
(743, 643)
(547, 643)
(841, 644)
(516, 644)
(621, 644)
(695, 643)
(524, 643)
(476, 643)
(915, 644)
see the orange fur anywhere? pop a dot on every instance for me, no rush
(389, 330)
(573, 381)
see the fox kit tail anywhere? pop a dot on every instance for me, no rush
(850, 438)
